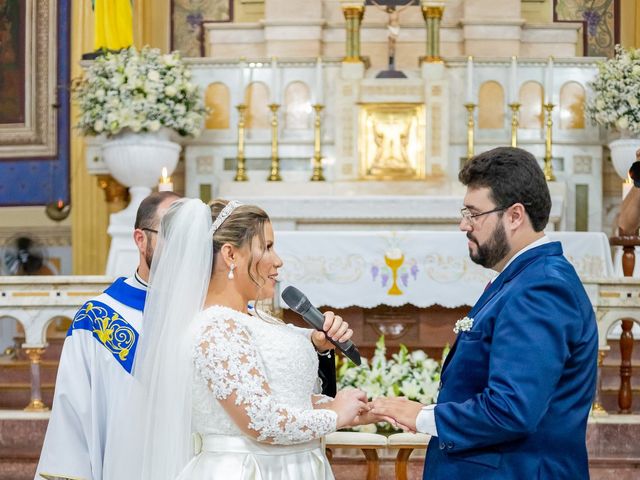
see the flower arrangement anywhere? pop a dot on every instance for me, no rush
(408, 374)
(616, 100)
(141, 91)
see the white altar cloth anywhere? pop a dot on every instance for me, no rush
(353, 268)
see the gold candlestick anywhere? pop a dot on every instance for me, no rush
(597, 408)
(241, 172)
(318, 175)
(548, 167)
(515, 122)
(36, 404)
(470, 127)
(274, 175)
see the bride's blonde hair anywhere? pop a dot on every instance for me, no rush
(239, 229)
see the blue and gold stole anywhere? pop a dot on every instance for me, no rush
(108, 327)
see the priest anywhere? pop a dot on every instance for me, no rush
(96, 362)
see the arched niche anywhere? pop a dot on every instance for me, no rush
(572, 99)
(256, 98)
(217, 98)
(491, 106)
(297, 100)
(531, 98)
(10, 328)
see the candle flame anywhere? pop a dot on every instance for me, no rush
(165, 177)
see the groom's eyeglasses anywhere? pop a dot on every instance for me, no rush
(470, 217)
(149, 230)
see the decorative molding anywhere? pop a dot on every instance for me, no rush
(37, 135)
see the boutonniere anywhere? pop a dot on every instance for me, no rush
(463, 325)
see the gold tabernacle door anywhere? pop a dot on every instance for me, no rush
(391, 140)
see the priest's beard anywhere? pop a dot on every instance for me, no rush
(148, 254)
(493, 250)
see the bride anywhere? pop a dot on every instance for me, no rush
(242, 382)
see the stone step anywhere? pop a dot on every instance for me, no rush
(18, 395)
(20, 371)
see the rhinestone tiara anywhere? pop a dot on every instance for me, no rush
(224, 214)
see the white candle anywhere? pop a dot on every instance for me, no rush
(319, 82)
(548, 81)
(469, 98)
(244, 78)
(275, 80)
(513, 83)
(626, 187)
(165, 184)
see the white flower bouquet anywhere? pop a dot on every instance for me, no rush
(406, 374)
(616, 100)
(141, 91)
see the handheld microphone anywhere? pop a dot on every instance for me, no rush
(299, 303)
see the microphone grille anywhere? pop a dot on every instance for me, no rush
(294, 298)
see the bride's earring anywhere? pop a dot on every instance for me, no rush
(230, 276)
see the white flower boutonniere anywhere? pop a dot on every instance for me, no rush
(463, 325)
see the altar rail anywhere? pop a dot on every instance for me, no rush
(36, 301)
(371, 443)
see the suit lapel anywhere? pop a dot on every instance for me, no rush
(519, 264)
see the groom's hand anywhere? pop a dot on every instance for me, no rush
(334, 327)
(398, 411)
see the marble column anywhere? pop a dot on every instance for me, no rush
(432, 13)
(89, 212)
(353, 13)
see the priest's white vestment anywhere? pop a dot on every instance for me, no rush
(94, 372)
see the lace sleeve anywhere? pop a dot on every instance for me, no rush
(227, 360)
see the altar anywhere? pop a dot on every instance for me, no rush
(368, 269)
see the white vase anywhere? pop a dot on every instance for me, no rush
(136, 161)
(623, 154)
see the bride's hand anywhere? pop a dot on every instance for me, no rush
(334, 327)
(366, 417)
(348, 404)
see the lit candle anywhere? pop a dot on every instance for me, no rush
(275, 80)
(513, 83)
(244, 78)
(469, 98)
(627, 185)
(548, 81)
(165, 184)
(319, 82)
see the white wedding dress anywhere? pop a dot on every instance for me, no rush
(271, 368)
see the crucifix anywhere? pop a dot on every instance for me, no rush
(392, 8)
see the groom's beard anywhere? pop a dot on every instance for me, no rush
(494, 250)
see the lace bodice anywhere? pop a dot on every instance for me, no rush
(264, 373)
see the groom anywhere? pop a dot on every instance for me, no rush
(517, 386)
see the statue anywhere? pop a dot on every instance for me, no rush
(393, 27)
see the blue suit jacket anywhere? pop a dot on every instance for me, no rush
(516, 389)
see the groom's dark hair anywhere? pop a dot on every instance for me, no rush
(513, 176)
